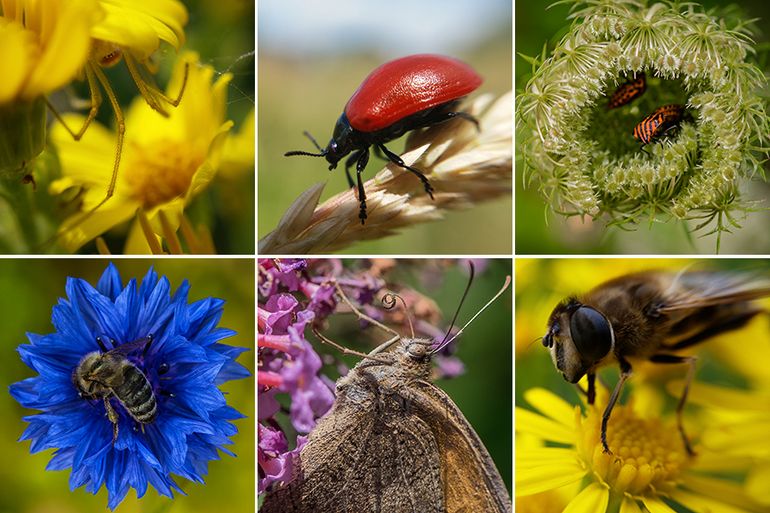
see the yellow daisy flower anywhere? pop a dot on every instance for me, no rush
(43, 46)
(648, 470)
(743, 417)
(166, 160)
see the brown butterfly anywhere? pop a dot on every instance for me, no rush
(393, 442)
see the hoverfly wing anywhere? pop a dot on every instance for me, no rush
(694, 290)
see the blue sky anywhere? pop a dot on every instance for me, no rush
(307, 27)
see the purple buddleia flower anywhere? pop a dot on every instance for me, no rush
(176, 347)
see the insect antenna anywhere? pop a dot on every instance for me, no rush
(460, 331)
(345, 350)
(472, 271)
(306, 153)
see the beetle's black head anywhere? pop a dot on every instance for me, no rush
(579, 337)
(341, 142)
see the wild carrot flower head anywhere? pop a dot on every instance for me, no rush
(584, 156)
(166, 160)
(648, 468)
(184, 363)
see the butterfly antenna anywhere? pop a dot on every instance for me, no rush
(472, 271)
(499, 293)
(389, 301)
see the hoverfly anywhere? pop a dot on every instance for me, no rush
(647, 316)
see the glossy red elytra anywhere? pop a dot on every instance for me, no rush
(401, 95)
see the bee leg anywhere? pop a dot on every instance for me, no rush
(101, 344)
(625, 373)
(113, 416)
(672, 358)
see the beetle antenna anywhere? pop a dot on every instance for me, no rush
(472, 271)
(389, 301)
(306, 153)
(499, 293)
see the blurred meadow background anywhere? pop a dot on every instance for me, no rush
(540, 231)
(28, 291)
(729, 359)
(313, 56)
(483, 391)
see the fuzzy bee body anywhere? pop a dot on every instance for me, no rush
(647, 316)
(628, 91)
(659, 122)
(107, 374)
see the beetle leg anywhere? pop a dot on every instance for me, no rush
(363, 159)
(400, 163)
(625, 373)
(348, 164)
(672, 358)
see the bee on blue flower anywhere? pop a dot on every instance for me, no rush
(128, 385)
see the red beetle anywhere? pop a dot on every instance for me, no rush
(401, 95)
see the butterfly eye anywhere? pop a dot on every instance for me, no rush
(592, 334)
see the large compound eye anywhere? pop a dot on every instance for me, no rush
(592, 334)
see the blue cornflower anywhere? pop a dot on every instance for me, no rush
(183, 363)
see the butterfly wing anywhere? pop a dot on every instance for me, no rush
(368, 454)
(469, 475)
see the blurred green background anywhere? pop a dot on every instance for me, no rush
(483, 392)
(308, 69)
(222, 32)
(28, 290)
(540, 231)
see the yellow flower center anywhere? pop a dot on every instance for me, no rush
(646, 455)
(161, 173)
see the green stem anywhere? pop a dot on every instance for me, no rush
(20, 198)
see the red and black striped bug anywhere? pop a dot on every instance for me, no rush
(628, 91)
(658, 123)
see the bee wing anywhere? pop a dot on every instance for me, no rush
(130, 347)
(695, 290)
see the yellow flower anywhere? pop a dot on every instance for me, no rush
(648, 469)
(140, 25)
(166, 160)
(43, 46)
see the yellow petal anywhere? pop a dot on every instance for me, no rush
(88, 162)
(546, 429)
(140, 26)
(546, 477)
(114, 212)
(729, 492)
(65, 40)
(655, 505)
(17, 54)
(629, 505)
(593, 499)
(697, 502)
(551, 405)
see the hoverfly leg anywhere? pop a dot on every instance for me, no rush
(625, 373)
(691, 360)
(591, 392)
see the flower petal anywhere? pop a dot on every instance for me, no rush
(593, 499)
